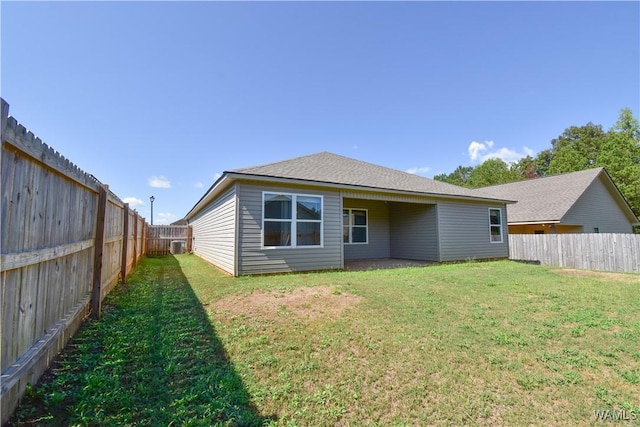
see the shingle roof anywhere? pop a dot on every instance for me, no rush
(545, 199)
(331, 168)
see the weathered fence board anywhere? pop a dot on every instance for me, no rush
(161, 237)
(53, 254)
(605, 251)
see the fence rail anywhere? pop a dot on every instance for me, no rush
(605, 252)
(66, 241)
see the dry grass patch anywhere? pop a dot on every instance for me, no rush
(319, 302)
(618, 277)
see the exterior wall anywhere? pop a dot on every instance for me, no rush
(378, 245)
(214, 232)
(464, 231)
(228, 232)
(414, 231)
(566, 229)
(597, 208)
(253, 259)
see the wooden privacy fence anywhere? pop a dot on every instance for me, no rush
(66, 241)
(166, 239)
(605, 252)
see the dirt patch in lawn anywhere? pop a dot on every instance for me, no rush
(599, 274)
(304, 303)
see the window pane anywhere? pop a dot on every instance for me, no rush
(309, 207)
(359, 235)
(496, 233)
(345, 234)
(345, 218)
(308, 234)
(277, 206)
(359, 217)
(494, 215)
(277, 233)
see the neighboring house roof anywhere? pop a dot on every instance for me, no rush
(548, 199)
(334, 170)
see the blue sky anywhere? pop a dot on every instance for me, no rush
(159, 98)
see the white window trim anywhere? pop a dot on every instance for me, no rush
(294, 221)
(351, 226)
(496, 225)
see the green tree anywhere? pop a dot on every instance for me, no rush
(628, 125)
(620, 156)
(542, 161)
(576, 149)
(526, 168)
(460, 176)
(492, 172)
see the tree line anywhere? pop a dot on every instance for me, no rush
(577, 148)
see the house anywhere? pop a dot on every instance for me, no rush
(587, 201)
(314, 212)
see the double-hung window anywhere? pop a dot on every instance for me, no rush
(495, 225)
(354, 226)
(291, 220)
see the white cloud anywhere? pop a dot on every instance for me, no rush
(133, 201)
(198, 184)
(419, 170)
(164, 218)
(481, 151)
(159, 182)
(475, 148)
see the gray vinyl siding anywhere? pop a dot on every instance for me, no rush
(253, 259)
(378, 245)
(464, 231)
(597, 208)
(414, 231)
(214, 232)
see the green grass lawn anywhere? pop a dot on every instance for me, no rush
(472, 343)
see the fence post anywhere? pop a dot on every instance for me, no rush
(125, 243)
(3, 125)
(96, 300)
(143, 246)
(135, 238)
(5, 116)
(189, 238)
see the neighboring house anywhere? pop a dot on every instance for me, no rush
(579, 202)
(316, 211)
